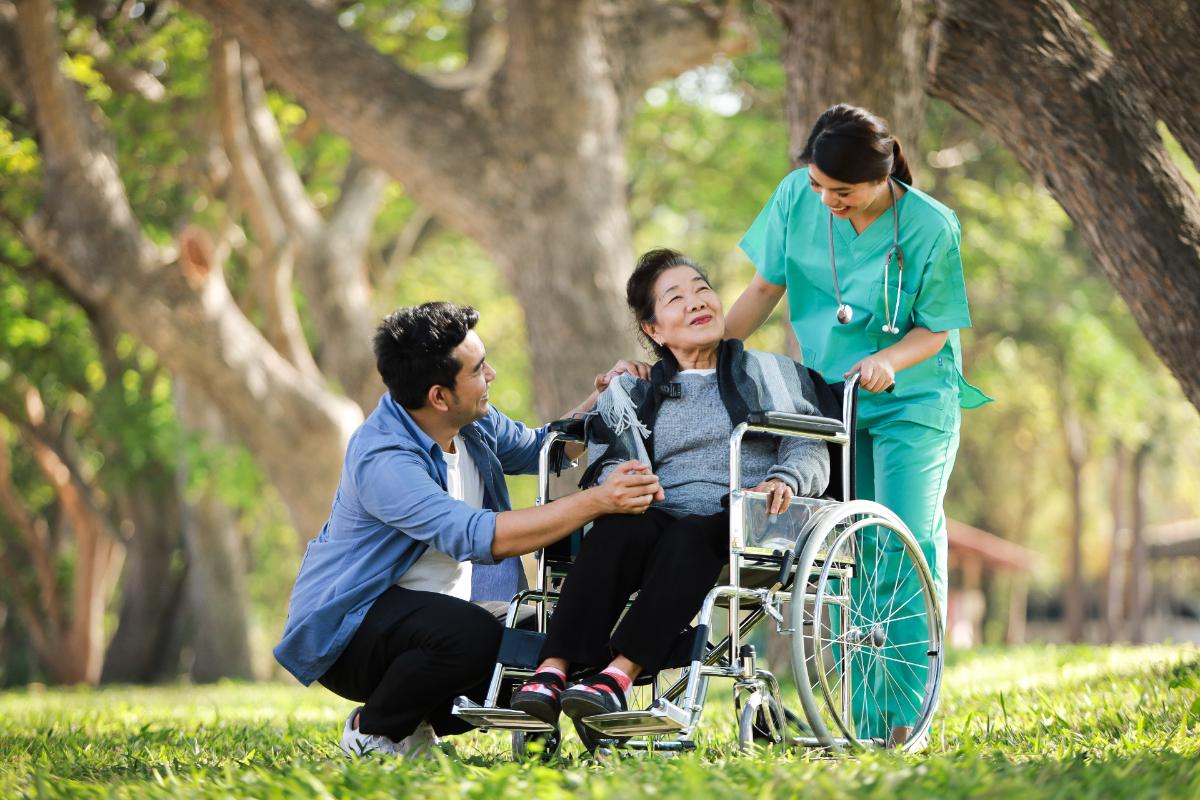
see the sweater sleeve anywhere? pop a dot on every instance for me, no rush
(803, 464)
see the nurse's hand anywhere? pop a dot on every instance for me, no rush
(875, 373)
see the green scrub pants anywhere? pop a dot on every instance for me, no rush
(904, 466)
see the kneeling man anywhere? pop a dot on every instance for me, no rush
(381, 610)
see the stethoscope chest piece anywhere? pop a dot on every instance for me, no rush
(891, 313)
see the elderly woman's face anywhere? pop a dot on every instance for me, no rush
(687, 312)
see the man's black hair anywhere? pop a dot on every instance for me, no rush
(414, 349)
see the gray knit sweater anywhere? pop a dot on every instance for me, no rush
(691, 451)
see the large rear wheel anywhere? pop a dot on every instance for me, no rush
(867, 646)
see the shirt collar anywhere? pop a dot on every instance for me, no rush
(395, 412)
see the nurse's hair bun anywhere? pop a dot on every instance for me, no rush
(853, 145)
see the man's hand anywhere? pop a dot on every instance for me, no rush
(638, 368)
(630, 489)
(779, 495)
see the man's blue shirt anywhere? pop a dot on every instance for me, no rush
(391, 504)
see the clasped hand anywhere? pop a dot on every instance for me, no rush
(631, 488)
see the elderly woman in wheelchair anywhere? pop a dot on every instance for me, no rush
(680, 423)
(802, 553)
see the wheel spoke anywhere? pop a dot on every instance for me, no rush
(912, 565)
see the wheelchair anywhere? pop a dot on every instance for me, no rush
(813, 574)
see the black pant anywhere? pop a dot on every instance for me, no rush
(670, 562)
(413, 653)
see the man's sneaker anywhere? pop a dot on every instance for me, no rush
(355, 743)
(421, 743)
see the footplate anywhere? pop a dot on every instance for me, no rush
(662, 717)
(506, 719)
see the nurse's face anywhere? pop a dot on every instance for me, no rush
(687, 312)
(845, 199)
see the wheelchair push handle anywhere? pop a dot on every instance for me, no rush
(570, 428)
(854, 379)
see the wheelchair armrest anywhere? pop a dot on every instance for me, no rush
(571, 428)
(798, 423)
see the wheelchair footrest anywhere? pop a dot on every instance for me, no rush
(507, 719)
(662, 717)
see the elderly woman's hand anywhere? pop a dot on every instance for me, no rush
(638, 368)
(779, 495)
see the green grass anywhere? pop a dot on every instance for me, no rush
(1034, 722)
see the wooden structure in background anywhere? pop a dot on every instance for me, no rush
(975, 555)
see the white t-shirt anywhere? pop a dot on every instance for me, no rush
(435, 571)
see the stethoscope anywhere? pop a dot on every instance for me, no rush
(844, 312)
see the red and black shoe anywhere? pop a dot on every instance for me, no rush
(539, 697)
(597, 694)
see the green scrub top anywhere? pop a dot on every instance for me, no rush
(789, 246)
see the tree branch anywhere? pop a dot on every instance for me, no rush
(286, 186)
(87, 235)
(1155, 41)
(35, 538)
(331, 267)
(1033, 77)
(271, 274)
(651, 41)
(122, 77)
(417, 229)
(334, 276)
(13, 80)
(423, 135)
(487, 44)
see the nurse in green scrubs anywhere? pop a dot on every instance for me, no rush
(832, 235)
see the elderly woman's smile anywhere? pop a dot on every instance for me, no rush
(688, 319)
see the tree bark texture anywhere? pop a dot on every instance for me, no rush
(1072, 115)
(868, 53)
(1155, 41)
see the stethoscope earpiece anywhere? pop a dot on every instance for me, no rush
(844, 313)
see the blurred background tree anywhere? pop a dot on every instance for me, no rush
(174, 412)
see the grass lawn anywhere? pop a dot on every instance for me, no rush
(1033, 722)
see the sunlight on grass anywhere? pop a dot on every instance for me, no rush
(1036, 721)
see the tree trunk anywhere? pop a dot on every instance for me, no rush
(869, 53)
(1114, 595)
(149, 636)
(216, 572)
(1033, 77)
(1076, 448)
(1139, 577)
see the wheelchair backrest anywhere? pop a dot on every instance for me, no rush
(830, 398)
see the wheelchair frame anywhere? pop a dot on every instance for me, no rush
(822, 558)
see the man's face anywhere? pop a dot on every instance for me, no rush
(468, 398)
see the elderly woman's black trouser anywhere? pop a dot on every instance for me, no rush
(671, 562)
